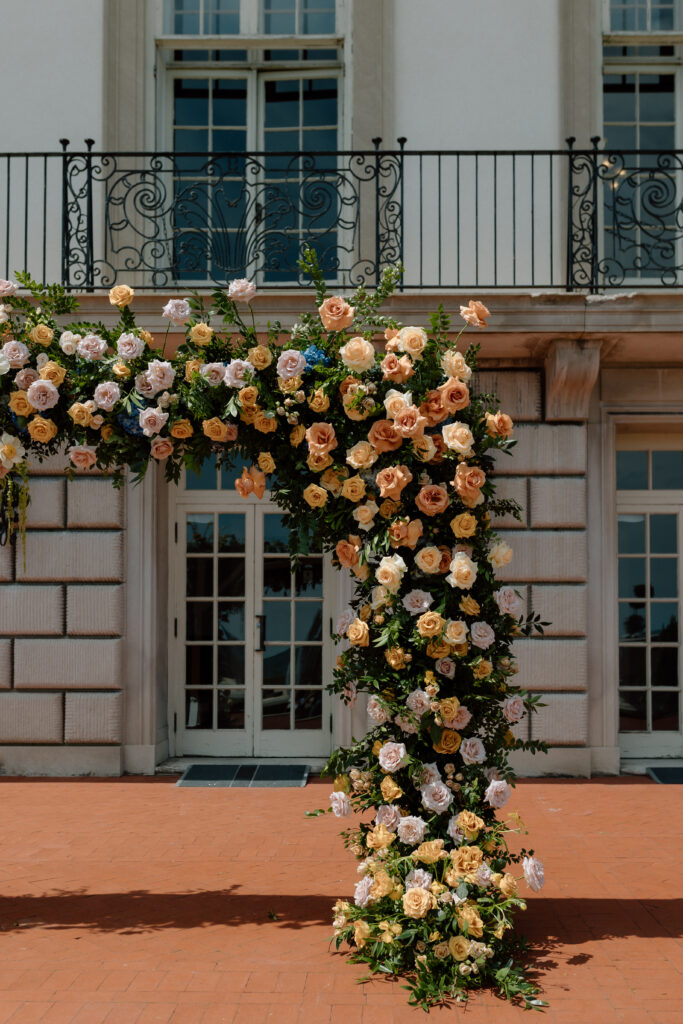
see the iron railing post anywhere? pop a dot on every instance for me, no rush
(595, 256)
(570, 214)
(89, 254)
(376, 143)
(66, 239)
(402, 141)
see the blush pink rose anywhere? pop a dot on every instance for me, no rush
(161, 448)
(42, 395)
(82, 456)
(472, 750)
(16, 354)
(241, 290)
(513, 708)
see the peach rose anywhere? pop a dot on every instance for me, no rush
(42, 430)
(395, 369)
(458, 437)
(317, 462)
(266, 462)
(409, 423)
(465, 863)
(453, 365)
(358, 633)
(468, 482)
(446, 556)
(53, 372)
(42, 335)
(296, 435)
(455, 395)
(498, 424)
(332, 479)
(464, 525)
(265, 424)
(432, 499)
(430, 624)
(347, 552)
(417, 903)
(161, 448)
(384, 436)
(355, 412)
(475, 313)
(192, 366)
(315, 496)
(455, 632)
(353, 488)
(20, 405)
(428, 560)
(336, 314)
(357, 354)
(248, 397)
(392, 480)
(216, 429)
(412, 341)
(500, 554)
(318, 401)
(365, 515)
(424, 447)
(260, 357)
(433, 409)
(405, 532)
(182, 429)
(121, 295)
(467, 915)
(362, 455)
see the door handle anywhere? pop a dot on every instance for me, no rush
(261, 626)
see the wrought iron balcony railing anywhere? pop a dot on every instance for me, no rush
(562, 219)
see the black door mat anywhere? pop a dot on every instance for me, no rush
(240, 775)
(669, 776)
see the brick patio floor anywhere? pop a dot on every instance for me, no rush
(132, 902)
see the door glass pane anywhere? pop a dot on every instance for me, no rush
(199, 577)
(663, 538)
(308, 707)
(309, 618)
(632, 711)
(665, 712)
(199, 619)
(631, 532)
(278, 620)
(275, 534)
(632, 577)
(276, 666)
(631, 471)
(199, 533)
(664, 666)
(308, 665)
(664, 621)
(277, 577)
(230, 707)
(230, 620)
(231, 578)
(231, 532)
(309, 578)
(631, 621)
(231, 665)
(276, 705)
(199, 709)
(199, 666)
(632, 666)
(663, 577)
(667, 471)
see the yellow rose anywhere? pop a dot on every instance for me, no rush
(390, 790)
(365, 613)
(430, 624)
(358, 632)
(42, 335)
(297, 435)
(80, 414)
(315, 496)
(342, 784)
(107, 432)
(121, 295)
(449, 743)
(53, 372)
(266, 462)
(448, 708)
(429, 853)
(389, 508)
(379, 838)
(248, 396)
(182, 429)
(201, 334)
(19, 404)
(382, 885)
(389, 932)
(265, 424)
(317, 463)
(361, 933)
(146, 337)
(459, 947)
(260, 357)
(417, 903)
(42, 430)
(465, 863)
(468, 606)
(318, 401)
(215, 429)
(467, 916)
(192, 366)
(464, 525)
(288, 385)
(249, 415)
(508, 885)
(119, 369)
(353, 488)
(483, 670)
(396, 658)
(470, 823)
(438, 649)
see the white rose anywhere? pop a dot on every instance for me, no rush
(436, 796)
(463, 571)
(237, 372)
(241, 290)
(161, 373)
(482, 635)
(291, 363)
(361, 893)
(418, 878)
(4, 365)
(390, 571)
(406, 725)
(458, 437)
(91, 348)
(152, 421)
(16, 354)
(513, 708)
(106, 395)
(378, 597)
(472, 750)
(534, 874)
(454, 831)
(445, 667)
(417, 602)
(345, 620)
(461, 718)
(395, 401)
(365, 515)
(129, 346)
(177, 311)
(42, 395)
(144, 386)
(357, 354)
(392, 756)
(7, 288)
(213, 373)
(377, 711)
(498, 793)
(418, 702)
(509, 602)
(341, 805)
(411, 830)
(68, 342)
(430, 773)
(388, 815)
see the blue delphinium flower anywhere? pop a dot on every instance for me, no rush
(131, 423)
(314, 355)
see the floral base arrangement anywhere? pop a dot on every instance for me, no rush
(372, 439)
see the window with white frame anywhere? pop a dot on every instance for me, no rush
(251, 126)
(641, 101)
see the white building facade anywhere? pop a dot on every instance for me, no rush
(173, 144)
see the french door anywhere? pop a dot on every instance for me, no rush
(248, 659)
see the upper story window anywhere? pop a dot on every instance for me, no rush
(643, 15)
(298, 17)
(203, 17)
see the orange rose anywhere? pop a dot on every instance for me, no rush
(392, 480)
(433, 409)
(321, 438)
(475, 313)
(182, 429)
(395, 369)
(455, 394)
(409, 423)
(498, 424)
(336, 314)
(384, 436)
(347, 552)
(405, 532)
(432, 499)
(468, 482)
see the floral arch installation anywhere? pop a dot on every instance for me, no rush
(374, 442)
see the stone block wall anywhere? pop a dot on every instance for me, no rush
(61, 629)
(547, 476)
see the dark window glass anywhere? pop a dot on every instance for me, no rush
(631, 471)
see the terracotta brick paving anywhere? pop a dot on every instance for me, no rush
(134, 902)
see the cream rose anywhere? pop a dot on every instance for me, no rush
(453, 365)
(500, 554)
(428, 560)
(358, 633)
(412, 341)
(121, 295)
(357, 354)
(455, 632)
(395, 401)
(362, 455)
(463, 571)
(389, 572)
(458, 437)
